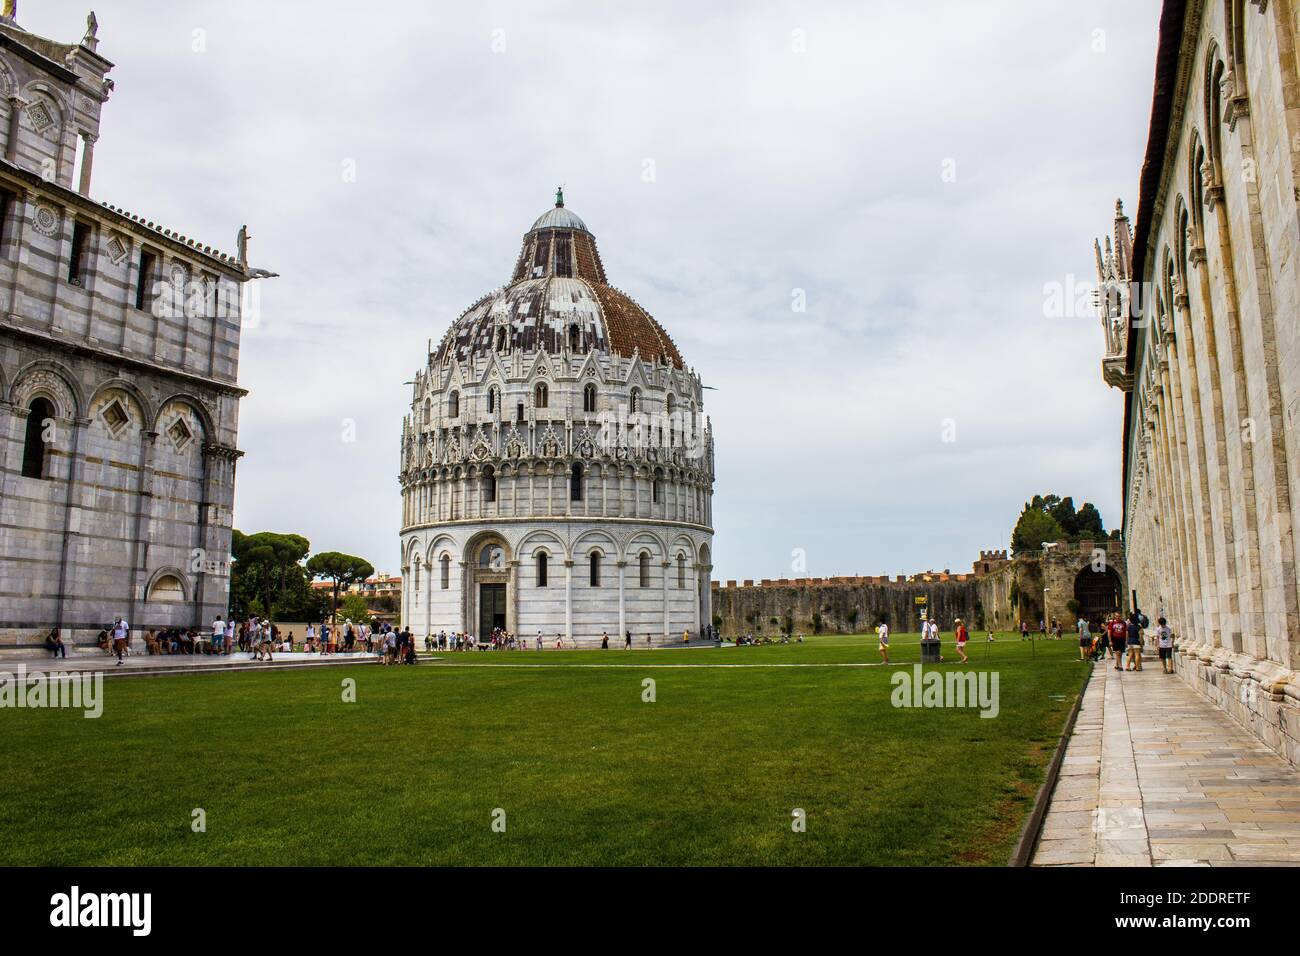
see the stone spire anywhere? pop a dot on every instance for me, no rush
(1114, 275)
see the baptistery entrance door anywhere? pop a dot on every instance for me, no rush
(491, 608)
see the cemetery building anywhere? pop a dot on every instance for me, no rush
(119, 347)
(1208, 357)
(556, 464)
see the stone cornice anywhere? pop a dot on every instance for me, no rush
(117, 358)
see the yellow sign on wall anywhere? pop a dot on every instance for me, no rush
(921, 599)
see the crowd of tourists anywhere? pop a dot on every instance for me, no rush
(1123, 638)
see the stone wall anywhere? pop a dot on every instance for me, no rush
(999, 593)
(119, 344)
(1212, 445)
(845, 608)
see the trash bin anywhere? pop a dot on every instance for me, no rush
(930, 652)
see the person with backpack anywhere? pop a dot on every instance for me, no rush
(1137, 621)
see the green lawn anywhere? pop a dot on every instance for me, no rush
(586, 772)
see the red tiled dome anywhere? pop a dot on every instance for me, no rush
(558, 299)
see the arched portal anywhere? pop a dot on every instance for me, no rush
(1099, 592)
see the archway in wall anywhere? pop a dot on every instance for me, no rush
(1099, 593)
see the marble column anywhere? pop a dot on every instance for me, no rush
(568, 601)
(622, 600)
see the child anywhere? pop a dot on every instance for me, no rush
(1165, 643)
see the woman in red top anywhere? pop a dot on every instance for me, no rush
(961, 641)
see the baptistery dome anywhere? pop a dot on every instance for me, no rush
(558, 299)
(557, 467)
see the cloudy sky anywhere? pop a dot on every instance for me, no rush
(921, 171)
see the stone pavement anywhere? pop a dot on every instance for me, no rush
(1155, 775)
(90, 660)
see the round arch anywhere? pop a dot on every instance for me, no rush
(1099, 593)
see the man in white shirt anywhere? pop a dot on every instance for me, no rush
(218, 634)
(120, 631)
(1165, 644)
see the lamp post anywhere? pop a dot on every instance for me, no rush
(1047, 546)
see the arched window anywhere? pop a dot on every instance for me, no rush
(541, 569)
(168, 589)
(493, 394)
(453, 405)
(445, 566)
(634, 404)
(657, 486)
(681, 570)
(589, 397)
(595, 569)
(644, 568)
(575, 483)
(34, 446)
(489, 484)
(519, 412)
(670, 403)
(501, 339)
(428, 410)
(575, 338)
(541, 395)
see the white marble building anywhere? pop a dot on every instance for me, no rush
(119, 354)
(557, 467)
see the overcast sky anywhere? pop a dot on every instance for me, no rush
(922, 171)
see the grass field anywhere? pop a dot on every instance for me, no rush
(586, 772)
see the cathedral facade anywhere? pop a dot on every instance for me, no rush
(556, 464)
(119, 343)
(1208, 356)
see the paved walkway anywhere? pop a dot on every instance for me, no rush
(84, 660)
(1155, 775)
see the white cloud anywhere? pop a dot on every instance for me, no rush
(775, 170)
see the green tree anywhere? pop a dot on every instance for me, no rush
(1033, 528)
(265, 569)
(1088, 523)
(355, 609)
(343, 569)
(1065, 516)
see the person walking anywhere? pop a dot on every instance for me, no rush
(604, 640)
(627, 640)
(1085, 638)
(883, 633)
(962, 636)
(1118, 638)
(120, 631)
(1024, 631)
(1165, 645)
(1134, 642)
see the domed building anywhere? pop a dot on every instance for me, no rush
(557, 467)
